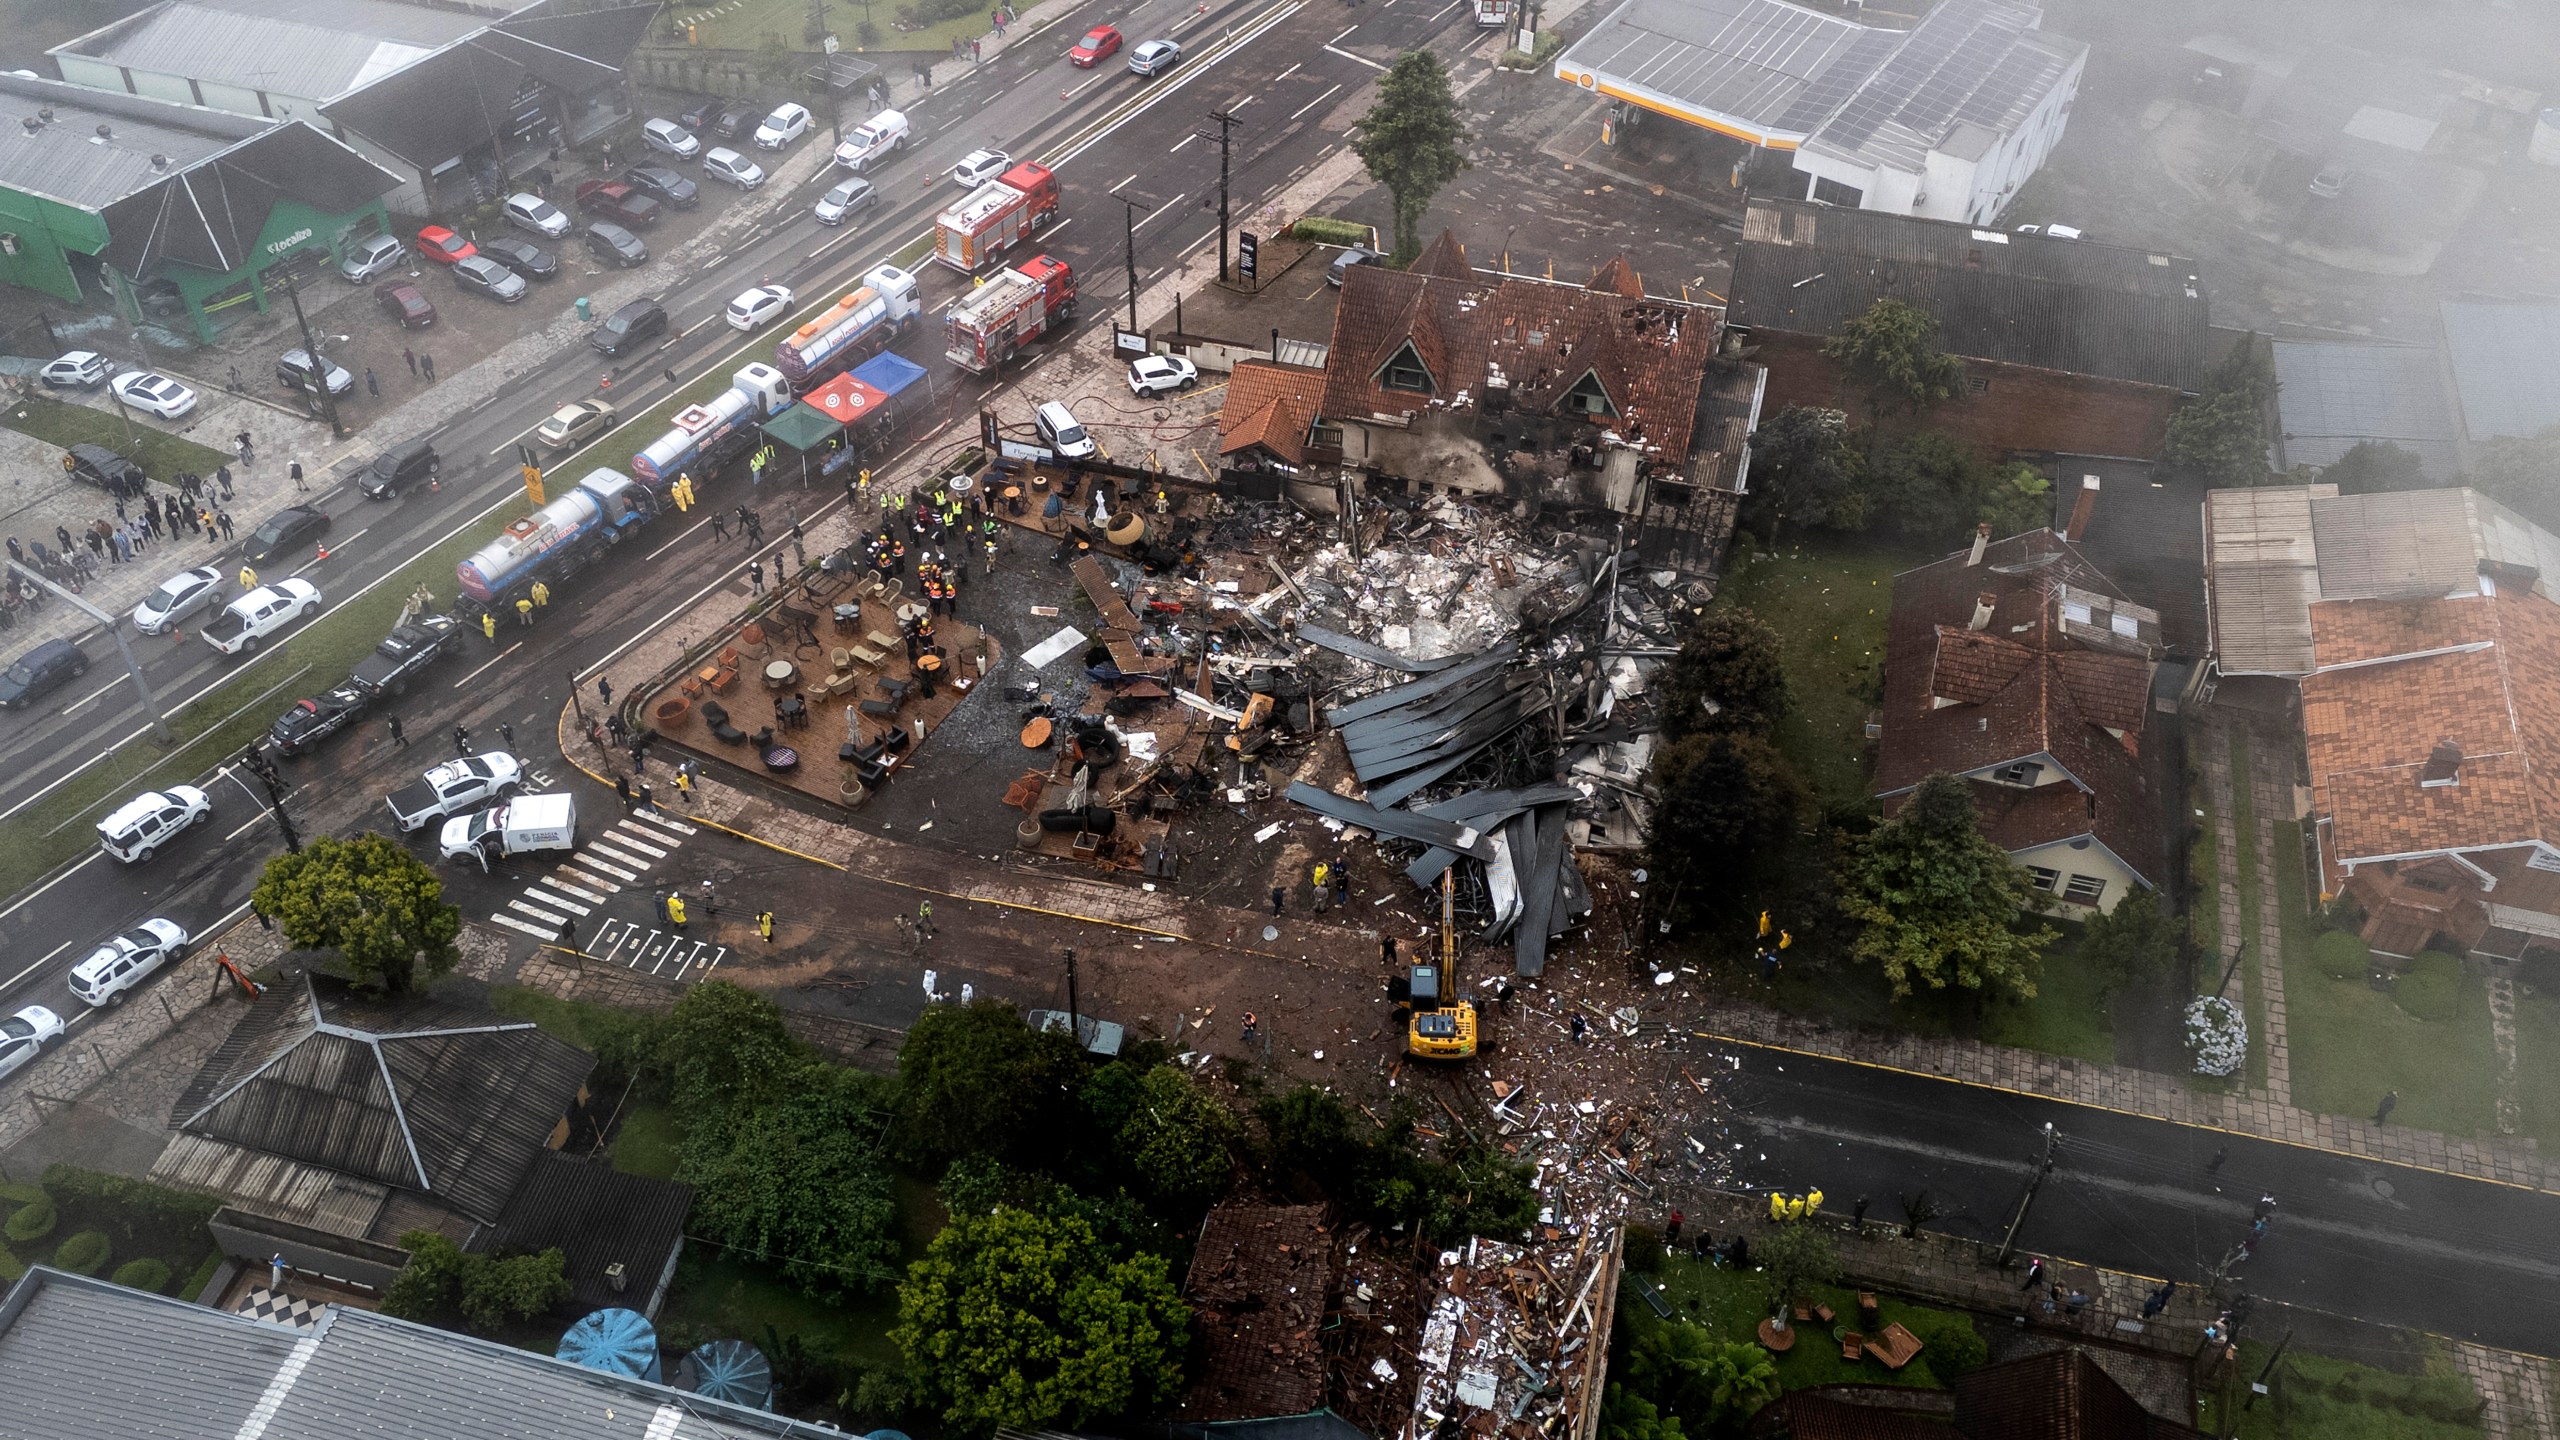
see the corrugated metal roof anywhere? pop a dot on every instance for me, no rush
(599, 1217)
(183, 1372)
(450, 101)
(2332, 395)
(1769, 66)
(283, 47)
(2067, 305)
(66, 159)
(2506, 366)
(1968, 62)
(2261, 575)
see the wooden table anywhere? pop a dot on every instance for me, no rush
(1775, 1340)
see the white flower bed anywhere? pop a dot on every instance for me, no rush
(2218, 1033)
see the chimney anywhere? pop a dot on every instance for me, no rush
(1981, 542)
(2444, 766)
(2081, 507)
(1983, 604)
(617, 1277)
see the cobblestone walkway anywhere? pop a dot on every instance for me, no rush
(2516, 1389)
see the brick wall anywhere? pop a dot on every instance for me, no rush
(2036, 411)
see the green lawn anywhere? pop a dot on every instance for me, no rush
(1827, 600)
(2538, 1063)
(2244, 830)
(2069, 1015)
(2349, 1043)
(2320, 1397)
(715, 1297)
(645, 1143)
(1731, 1305)
(752, 23)
(160, 453)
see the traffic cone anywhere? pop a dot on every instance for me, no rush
(324, 553)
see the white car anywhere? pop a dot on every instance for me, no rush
(669, 138)
(23, 1034)
(154, 392)
(532, 212)
(759, 307)
(79, 369)
(260, 613)
(453, 787)
(980, 166)
(178, 597)
(1155, 374)
(727, 164)
(849, 197)
(124, 961)
(1058, 428)
(787, 123)
(1154, 58)
(140, 826)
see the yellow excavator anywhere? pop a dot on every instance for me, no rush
(1443, 1023)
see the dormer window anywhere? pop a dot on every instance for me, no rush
(2024, 772)
(1404, 370)
(1589, 397)
(2444, 766)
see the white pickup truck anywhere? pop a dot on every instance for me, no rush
(453, 787)
(524, 824)
(260, 613)
(879, 137)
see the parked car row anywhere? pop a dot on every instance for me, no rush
(1104, 41)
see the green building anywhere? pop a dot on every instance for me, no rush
(173, 213)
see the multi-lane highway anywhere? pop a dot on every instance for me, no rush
(1295, 73)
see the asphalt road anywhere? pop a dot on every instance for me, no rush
(2351, 1237)
(1291, 73)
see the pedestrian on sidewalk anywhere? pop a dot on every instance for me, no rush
(622, 787)
(293, 471)
(617, 729)
(372, 386)
(684, 783)
(924, 919)
(507, 735)
(461, 740)
(222, 479)
(427, 366)
(604, 688)
(755, 576)
(719, 527)
(931, 995)
(1858, 1214)
(2382, 1112)
(648, 798)
(975, 53)
(412, 357)
(639, 754)
(248, 449)
(223, 518)
(2035, 1273)
(399, 738)
(2158, 1300)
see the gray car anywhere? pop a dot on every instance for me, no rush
(479, 272)
(615, 245)
(848, 198)
(371, 258)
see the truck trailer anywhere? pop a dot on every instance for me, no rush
(1009, 311)
(708, 435)
(554, 542)
(521, 826)
(852, 330)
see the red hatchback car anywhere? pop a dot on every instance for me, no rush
(443, 246)
(402, 302)
(1100, 41)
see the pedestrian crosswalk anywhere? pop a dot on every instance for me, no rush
(667, 954)
(575, 889)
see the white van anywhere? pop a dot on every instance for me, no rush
(878, 138)
(126, 960)
(522, 825)
(144, 823)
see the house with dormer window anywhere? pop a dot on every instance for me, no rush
(2019, 667)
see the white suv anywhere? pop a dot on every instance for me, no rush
(730, 166)
(1155, 374)
(787, 123)
(23, 1035)
(124, 961)
(141, 825)
(980, 166)
(260, 613)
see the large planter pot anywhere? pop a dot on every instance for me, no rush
(672, 712)
(1027, 834)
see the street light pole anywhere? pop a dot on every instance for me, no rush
(319, 363)
(2009, 1241)
(1129, 217)
(1226, 122)
(115, 632)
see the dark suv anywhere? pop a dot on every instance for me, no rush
(41, 671)
(97, 465)
(398, 468)
(630, 327)
(294, 371)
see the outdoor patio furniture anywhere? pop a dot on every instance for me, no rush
(779, 673)
(866, 655)
(1895, 1347)
(723, 678)
(840, 657)
(1775, 1340)
(880, 641)
(1853, 1346)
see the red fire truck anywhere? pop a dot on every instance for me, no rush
(995, 217)
(1012, 309)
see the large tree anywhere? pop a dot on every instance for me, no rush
(1676, 1379)
(1409, 142)
(1026, 1320)
(725, 1049)
(1804, 470)
(369, 900)
(975, 1080)
(1178, 1142)
(442, 1284)
(2221, 435)
(1726, 680)
(2372, 466)
(2136, 941)
(1726, 802)
(1891, 355)
(2522, 472)
(1938, 904)
(800, 1181)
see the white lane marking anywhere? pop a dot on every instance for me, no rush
(615, 871)
(1336, 40)
(1354, 59)
(494, 659)
(663, 823)
(536, 912)
(1176, 150)
(633, 842)
(565, 888)
(1310, 105)
(1293, 69)
(607, 886)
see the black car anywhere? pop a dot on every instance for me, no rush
(663, 183)
(522, 256)
(732, 121)
(40, 671)
(693, 117)
(97, 465)
(285, 532)
(615, 245)
(628, 328)
(411, 646)
(311, 721)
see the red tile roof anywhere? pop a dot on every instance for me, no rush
(1960, 700)
(1260, 1277)
(2397, 678)
(1271, 405)
(1538, 338)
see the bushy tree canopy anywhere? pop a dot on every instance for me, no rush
(1025, 1320)
(1806, 471)
(1382, 1177)
(2522, 473)
(1937, 903)
(369, 900)
(800, 1181)
(2373, 466)
(441, 1283)
(1674, 1380)
(1934, 488)
(2221, 434)
(1178, 1142)
(1727, 679)
(726, 1049)
(1890, 354)
(1726, 801)
(977, 1080)
(1409, 140)
(2137, 940)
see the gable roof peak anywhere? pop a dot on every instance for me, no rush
(1617, 277)
(1444, 257)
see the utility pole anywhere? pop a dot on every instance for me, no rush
(257, 763)
(115, 632)
(319, 363)
(1226, 122)
(2258, 1386)
(1129, 217)
(2009, 1241)
(1075, 1024)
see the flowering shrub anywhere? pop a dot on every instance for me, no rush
(2218, 1034)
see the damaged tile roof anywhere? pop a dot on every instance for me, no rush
(2058, 667)
(1260, 1277)
(2075, 306)
(2400, 680)
(1534, 339)
(1271, 405)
